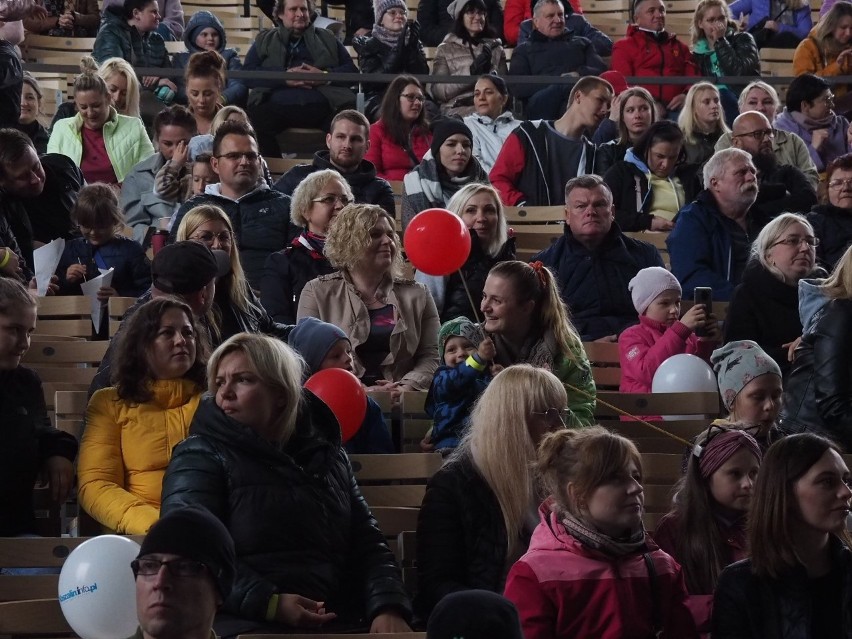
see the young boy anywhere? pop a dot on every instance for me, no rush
(324, 346)
(466, 372)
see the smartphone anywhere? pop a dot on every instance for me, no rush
(703, 295)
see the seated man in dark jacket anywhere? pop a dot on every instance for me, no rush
(347, 143)
(551, 50)
(594, 262)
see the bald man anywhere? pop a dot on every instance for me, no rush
(783, 187)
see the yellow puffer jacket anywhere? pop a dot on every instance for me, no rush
(125, 450)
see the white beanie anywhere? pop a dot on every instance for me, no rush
(650, 282)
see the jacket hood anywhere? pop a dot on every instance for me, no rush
(199, 21)
(363, 173)
(633, 159)
(115, 15)
(811, 301)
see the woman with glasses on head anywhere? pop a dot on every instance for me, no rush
(480, 508)
(798, 579)
(316, 202)
(810, 114)
(832, 220)
(705, 531)
(401, 136)
(818, 389)
(764, 307)
(591, 569)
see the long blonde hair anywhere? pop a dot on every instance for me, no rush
(109, 68)
(824, 34)
(838, 285)
(459, 200)
(499, 443)
(686, 120)
(695, 29)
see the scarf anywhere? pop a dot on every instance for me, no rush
(388, 37)
(312, 242)
(810, 123)
(603, 543)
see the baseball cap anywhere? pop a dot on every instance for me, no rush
(187, 267)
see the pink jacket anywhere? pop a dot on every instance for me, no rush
(642, 348)
(563, 588)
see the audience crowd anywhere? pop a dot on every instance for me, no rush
(199, 418)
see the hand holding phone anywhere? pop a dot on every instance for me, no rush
(703, 295)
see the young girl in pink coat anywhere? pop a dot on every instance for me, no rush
(659, 333)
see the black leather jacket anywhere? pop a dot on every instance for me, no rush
(374, 56)
(299, 522)
(475, 271)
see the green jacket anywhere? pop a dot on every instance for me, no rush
(125, 139)
(117, 39)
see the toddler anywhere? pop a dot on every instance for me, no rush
(188, 172)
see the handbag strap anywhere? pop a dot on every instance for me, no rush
(656, 612)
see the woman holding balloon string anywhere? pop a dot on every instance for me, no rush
(392, 322)
(264, 456)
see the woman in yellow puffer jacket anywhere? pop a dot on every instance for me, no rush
(132, 427)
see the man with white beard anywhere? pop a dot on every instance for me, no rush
(712, 237)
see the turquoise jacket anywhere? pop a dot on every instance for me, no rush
(125, 139)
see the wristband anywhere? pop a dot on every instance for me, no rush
(272, 608)
(6, 258)
(474, 364)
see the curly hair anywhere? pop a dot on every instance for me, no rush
(131, 374)
(310, 188)
(349, 237)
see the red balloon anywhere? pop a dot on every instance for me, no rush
(437, 242)
(343, 393)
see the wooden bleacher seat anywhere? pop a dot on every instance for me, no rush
(35, 47)
(535, 227)
(279, 166)
(33, 618)
(64, 315)
(658, 239)
(46, 354)
(116, 308)
(395, 481)
(704, 405)
(414, 423)
(70, 411)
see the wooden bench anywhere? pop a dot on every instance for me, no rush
(69, 315)
(535, 228)
(705, 405)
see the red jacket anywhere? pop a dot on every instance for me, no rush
(391, 160)
(639, 54)
(563, 589)
(643, 347)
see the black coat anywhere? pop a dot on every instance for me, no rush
(736, 53)
(594, 283)
(285, 275)
(374, 56)
(475, 270)
(833, 226)
(28, 441)
(746, 606)
(367, 187)
(132, 275)
(436, 22)
(784, 190)
(818, 390)
(461, 537)
(297, 517)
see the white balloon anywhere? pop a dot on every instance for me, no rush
(684, 373)
(97, 592)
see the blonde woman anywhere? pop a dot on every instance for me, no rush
(480, 508)
(702, 122)
(392, 322)
(480, 208)
(122, 86)
(827, 51)
(236, 308)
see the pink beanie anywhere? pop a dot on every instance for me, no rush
(648, 283)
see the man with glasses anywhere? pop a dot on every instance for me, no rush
(783, 188)
(185, 570)
(259, 215)
(711, 241)
(348, 141)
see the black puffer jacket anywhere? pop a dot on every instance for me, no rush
(461, 538)
(818, 391)
(475, 271)
(374, 56)
(297, 517)
(746, 606)
(833, 226)
(736, 53)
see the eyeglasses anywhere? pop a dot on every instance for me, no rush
(796, 240)
(701, 443)
(330, 199)
(236, 156)
(207, 237)
(827, 98)
(395, 13)
(758, 135)
(836, 184)
(176, 567)
(413, 97)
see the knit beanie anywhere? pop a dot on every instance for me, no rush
(313, 339)
(474, 614)
(648, 283)
(458, 327)
(192, 532)
(457, 6)
(380, 8)
(736, 364)
(444, 129)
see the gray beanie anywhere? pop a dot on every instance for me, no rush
(199, 144)
(313, 339)
(736, 364)
(648, 283)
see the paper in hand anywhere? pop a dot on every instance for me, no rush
(45, 260)
(90, 290)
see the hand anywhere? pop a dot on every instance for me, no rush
(387, 386)
(818, 138)
(844, 57)
(413, 34)
(771, 25)
(301, 612)
(426, 444)
(12, 265)
(695, 317)
(386, 622)
(37, 12)
(713, 330)
(52, 286)
(716, 32)
(66, 21)
(149, 81)
(181, 154)
(75, 273)
(486, 350)
(106, 292)
(60, 475)
(607, 338)
(791, 348)
(661, 224)
(743, 22)
(676, 103)
(482, 62)
(496, 368)
(614, 109)
(165, 82)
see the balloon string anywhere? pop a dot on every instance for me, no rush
(630, 415)
(470, 298)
